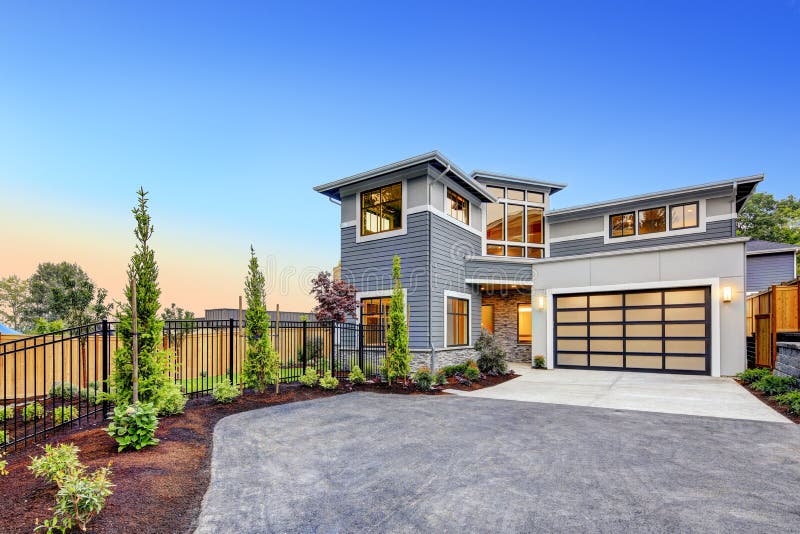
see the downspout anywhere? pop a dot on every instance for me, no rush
(735, 211)
(430, 272)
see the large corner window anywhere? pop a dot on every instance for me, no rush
(375, 317)
(457, 207)
(652, 221)
(622, 224)
(382, 209)
(524, 324)
(684, 216)
(457, 322)
(515, 224)
(487, 318)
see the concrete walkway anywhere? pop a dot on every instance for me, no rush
(647, 392)
(367, 462)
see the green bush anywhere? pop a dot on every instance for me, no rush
(56, 462)
(452, 370)
(356, 376)
(7, 412)
(440, 379)
(224, 392)
(753, 375)
(492, 358)
(91, 395)
(472, 372)
(64, 391)
(774, 385)
(423, 379)
(328, 381)
(134, 426)
(791, 400)
(168, 399)
(538, 362)
(310, 379)
(3, 437)
(32, 411)
(63, 414)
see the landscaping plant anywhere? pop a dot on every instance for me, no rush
(791, 400)
(3, 438)
(472, 372)
(336, 299)
(753, 375)
(169, 399)
(63, 414)
(3, 461)
(7, 412)
(398, 357)
(328, 381)
(64, 390)
(32, 411)
(310, 379)
(356, 376)
(538, 362)
(440, 379)
(492, 358)
(224, 392)
(423, 379)
(56, 462)
(134, 427)
(261, 365)
(774, 385)
(452, 370)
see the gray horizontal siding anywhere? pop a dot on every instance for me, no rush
(591, 245)
(769, 269)
(499, 270)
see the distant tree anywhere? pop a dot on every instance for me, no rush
(336, 299)
(13, 299)
(183, 326)
(398, 357)
(261, 365)
(764, 217)
(43, 326)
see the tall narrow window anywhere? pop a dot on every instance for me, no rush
(535, 226)
(684, 216)
(457, 207)
(495, 222)
(375, 317)
(457, 321)
(516, 223)
(487, 318)
(382, 209)
(524, 324)
(652, 221)
(623, 225)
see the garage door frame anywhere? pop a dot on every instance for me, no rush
(714, 318)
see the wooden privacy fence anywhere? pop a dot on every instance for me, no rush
(769, 313)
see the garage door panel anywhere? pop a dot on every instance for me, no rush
(651, 330)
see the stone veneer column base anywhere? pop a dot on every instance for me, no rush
(444, 357)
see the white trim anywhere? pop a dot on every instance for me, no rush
(793, 250)
(491, 281)
(360, 295)
(723, 217)
(403, 230)
(431, 209)
(589, 235)
(715, 311)
(347, 224)
(700, 228)
(468, 298)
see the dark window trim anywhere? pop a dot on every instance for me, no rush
(519, 341)
(449, 314)
(696, 204)
(361, 208)
(622, 214)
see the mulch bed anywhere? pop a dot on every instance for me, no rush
(772, 404)
(157, 489)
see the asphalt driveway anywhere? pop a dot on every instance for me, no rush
(383, 463)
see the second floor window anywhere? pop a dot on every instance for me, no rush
(457, 207)
(623, 224)
(382, 209)
(652, 220)
(683, 216)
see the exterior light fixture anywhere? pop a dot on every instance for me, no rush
(540, 303)
(727, 294)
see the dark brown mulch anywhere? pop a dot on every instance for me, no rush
(158, 489)
(485, 382)
(783, 410)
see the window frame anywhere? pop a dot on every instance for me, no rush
(622, 214)
(694, 203)
(468, 332)
(401, 229)
(527, 206)
(449, 206)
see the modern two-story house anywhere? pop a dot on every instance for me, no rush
(646, 283)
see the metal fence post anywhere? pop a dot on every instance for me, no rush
(361, 346)
(230, 349)
(333, 347)
(305, 349)
(105, 351)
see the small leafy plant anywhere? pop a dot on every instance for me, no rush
(753, 375)
(64, 391)
(492, 359)
(452, 370)
(169, 399)
(774, 385)
(538, 362)
(3, 461)
(440, 379)
(423, 378)
(3, 437)
(32, 411)
(472, 372)
(92, 393)
(56, 462)
(134, 426)
(224, 392)
(7, 412)
(328, 381)
(791, 400)
(310, 379)
(356, 376)
(63, 414)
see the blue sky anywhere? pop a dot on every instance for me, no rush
(229, 112)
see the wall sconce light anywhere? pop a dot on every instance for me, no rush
(727, 294)
(540, 303)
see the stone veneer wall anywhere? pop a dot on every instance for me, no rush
(443, 358)
(788, 361)
(505, 322)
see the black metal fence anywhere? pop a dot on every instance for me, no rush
(56, 381)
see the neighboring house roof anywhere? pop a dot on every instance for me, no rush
(331, 189)
(757, 247)
(552, 187)
(743, 188)
(6, 330)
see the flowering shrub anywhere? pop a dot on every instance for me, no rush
(134, 426)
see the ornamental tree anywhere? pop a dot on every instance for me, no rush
(398, 357)
(336, 299)
(261, 365)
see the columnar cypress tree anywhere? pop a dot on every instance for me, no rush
(398, 357)
(152, 360)
(261, 365)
